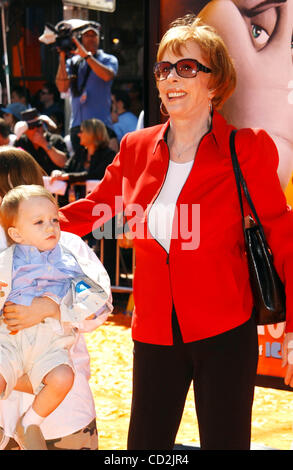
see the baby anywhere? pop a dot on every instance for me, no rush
(37, 264)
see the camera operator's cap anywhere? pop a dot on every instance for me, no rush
(93, 26)
(15, 109)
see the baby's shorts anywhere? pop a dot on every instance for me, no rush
(33, 351)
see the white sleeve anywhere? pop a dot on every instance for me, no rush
(74, 310)
(87, 326)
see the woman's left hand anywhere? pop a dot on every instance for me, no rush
(18, 317)
(287, 358)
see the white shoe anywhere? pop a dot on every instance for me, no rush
(31, 438)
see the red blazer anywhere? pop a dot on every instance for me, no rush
(208, 285)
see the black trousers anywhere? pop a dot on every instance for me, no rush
(223, 370)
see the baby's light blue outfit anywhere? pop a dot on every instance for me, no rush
(36, 274)
(39, 349)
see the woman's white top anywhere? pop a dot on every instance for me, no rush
(77, 409)
(161, 214)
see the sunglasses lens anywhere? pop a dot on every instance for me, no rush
(186, 68)
(162, 70)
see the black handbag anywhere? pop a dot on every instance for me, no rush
(267, 288)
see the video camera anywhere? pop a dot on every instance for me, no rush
(61, 34)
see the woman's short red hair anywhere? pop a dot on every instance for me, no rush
(213, 49)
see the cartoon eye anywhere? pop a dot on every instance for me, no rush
(260, 36)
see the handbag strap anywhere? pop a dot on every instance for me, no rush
(240, 181)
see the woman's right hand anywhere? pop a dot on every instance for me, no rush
(2, 284)
(58, 175)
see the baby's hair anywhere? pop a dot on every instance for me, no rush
(11, 201)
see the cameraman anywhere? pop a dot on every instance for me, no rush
(88, 74)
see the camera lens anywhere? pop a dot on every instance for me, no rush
(32, 125)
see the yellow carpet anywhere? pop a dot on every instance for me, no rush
(110, 347)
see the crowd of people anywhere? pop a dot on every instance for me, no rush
(194, 316)
(37, 123)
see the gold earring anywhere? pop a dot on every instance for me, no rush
(163, 110)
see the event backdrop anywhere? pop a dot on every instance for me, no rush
(258, 35)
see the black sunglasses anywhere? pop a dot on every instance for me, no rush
(185, 68)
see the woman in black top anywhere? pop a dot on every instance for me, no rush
(90, 163)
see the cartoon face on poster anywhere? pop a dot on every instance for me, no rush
(258, 35)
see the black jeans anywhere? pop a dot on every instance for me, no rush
(223, 370)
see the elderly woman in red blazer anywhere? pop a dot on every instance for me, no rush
(193, 317)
